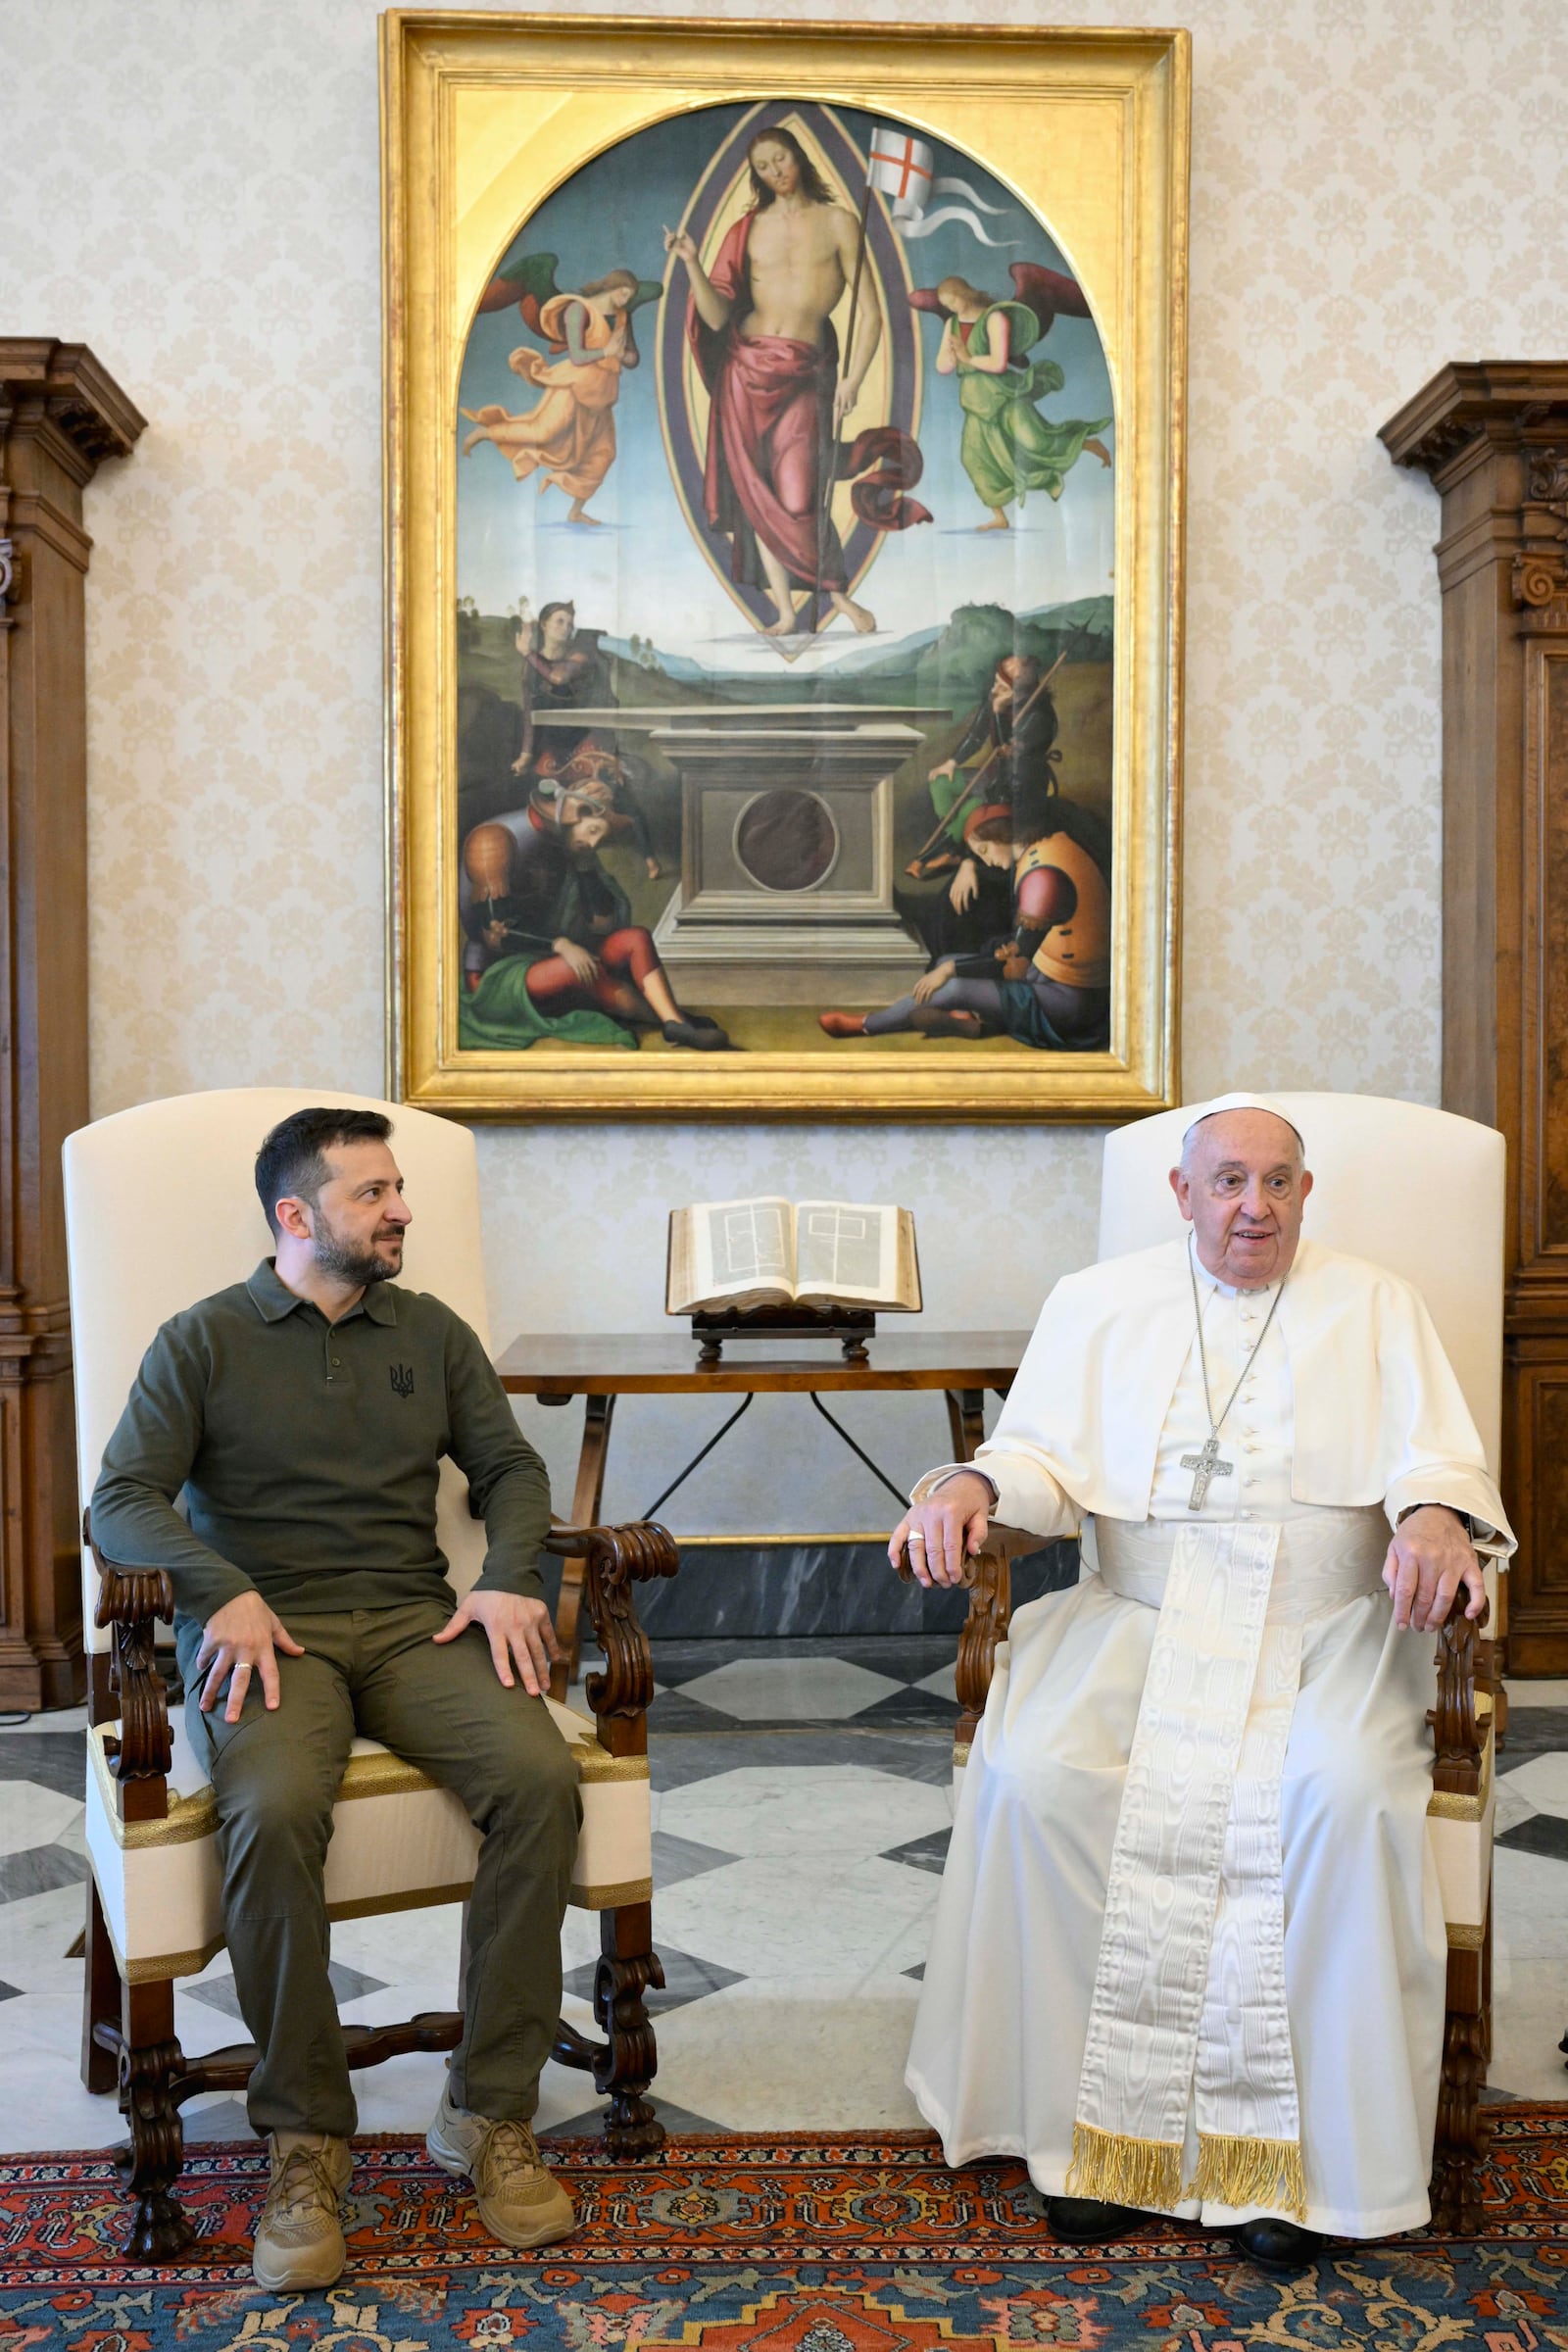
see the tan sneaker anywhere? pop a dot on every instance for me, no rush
(299, 2237)
(520, 2202)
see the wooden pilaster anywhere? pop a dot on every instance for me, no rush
(1493, 437)
(60, 417)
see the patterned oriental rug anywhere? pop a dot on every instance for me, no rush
(803, 2244)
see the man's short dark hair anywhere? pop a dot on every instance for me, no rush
(292, 1160)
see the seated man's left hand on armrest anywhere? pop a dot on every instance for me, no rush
(946, 1530)
(1430, 1559)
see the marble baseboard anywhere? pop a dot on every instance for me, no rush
(740, 1592)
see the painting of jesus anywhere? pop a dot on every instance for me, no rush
(820, 736)
(761, 330)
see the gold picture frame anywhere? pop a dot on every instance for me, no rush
(1069, 143)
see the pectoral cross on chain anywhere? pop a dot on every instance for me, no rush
(1204, 1465)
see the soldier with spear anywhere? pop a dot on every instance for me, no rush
(1012, 741)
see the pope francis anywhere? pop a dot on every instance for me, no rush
(1188, 1955)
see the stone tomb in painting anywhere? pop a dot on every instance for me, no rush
(787, 850)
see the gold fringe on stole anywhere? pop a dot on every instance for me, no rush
(1238, 2172)
(1114, 2169)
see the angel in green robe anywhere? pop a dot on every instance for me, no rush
(1008, 448)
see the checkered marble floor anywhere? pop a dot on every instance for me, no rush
(802, 1807)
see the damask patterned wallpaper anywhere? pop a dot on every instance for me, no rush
(1379, 185)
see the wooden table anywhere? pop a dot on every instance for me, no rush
(601, 1366)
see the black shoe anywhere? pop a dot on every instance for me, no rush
(701, 1037)
(1084, 2220)
(1276, 2246)
(696, 1036)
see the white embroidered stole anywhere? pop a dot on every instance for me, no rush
(1189, 1985)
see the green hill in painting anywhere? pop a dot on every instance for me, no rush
(954, 666)
(950, 667)
(487, 660)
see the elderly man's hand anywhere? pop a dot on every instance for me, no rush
(1429, 1559)
(943, 1532)
(509, 1624)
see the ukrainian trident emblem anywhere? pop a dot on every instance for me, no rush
(401, 1378)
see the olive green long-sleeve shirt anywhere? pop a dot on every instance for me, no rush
(309, 1454)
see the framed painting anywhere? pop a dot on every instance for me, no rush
(785, 488)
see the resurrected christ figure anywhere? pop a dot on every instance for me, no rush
(760, 329)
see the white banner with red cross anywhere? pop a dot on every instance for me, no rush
(902, 169)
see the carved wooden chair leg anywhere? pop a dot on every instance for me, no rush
(627, 1965)
(100, 2000)
(616, 1560)
(1464, 1661)
(1461, 2125)
(151, 2066)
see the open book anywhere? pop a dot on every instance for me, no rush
(779, 1253)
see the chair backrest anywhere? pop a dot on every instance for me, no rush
(161, 1210)
(1418, 1190)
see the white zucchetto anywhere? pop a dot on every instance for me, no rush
(1212, 1111)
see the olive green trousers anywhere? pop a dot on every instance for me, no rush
(276, 1776)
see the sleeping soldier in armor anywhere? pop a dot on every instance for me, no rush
(553, 954)
(1046, 981)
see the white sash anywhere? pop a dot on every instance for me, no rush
(1189, 1997)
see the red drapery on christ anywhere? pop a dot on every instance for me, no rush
(769, 431)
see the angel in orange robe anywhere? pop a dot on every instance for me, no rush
(568, 437)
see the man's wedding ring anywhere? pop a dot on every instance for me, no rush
(915, 1536)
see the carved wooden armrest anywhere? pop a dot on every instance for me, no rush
(988, 1578)
(130, 1601)
(617, 1559)
(1465, 1668)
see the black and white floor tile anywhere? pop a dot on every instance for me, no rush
(802, 1807)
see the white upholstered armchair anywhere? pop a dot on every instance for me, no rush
(1422, 1192)
(161, 1210)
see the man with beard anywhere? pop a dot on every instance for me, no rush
(304, 1415)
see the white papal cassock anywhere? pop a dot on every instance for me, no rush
(1189, 1952)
